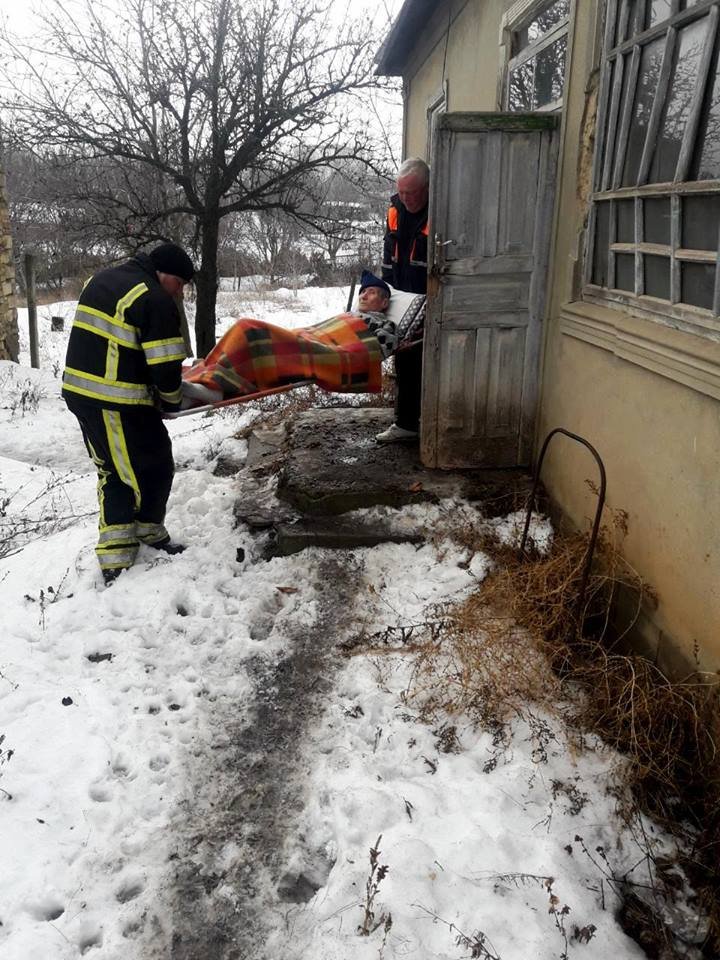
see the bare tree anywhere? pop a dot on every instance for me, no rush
(199, 109)
(271, 237)
(348, 208)
(44, 221)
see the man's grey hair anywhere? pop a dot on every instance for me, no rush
(414, 166)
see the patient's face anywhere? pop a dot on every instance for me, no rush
(373, 298)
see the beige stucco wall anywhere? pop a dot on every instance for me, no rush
(659, 438)
(8, 313)
(660, 443)
(470, 65)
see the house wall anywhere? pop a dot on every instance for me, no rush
(8, 313)
(645, 395)
(466, 56)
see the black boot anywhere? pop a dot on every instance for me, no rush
(167, 546)
(110, 576)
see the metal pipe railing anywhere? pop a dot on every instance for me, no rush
(598, 513)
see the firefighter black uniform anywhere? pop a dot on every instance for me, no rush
(405, 268)
(123, 365)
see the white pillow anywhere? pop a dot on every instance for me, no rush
(406, 311)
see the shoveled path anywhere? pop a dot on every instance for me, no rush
(221, 912)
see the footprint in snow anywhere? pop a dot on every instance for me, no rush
(50, 908)
(90, 937)
(100, 792)
(129, 889)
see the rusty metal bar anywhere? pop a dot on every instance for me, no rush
(598, 512)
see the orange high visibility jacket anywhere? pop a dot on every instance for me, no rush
(405, 250)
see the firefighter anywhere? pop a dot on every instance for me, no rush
(405, 267)
(122, 370)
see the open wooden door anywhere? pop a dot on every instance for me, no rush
(491, 204)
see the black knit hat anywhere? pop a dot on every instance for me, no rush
(172, 259)
(370, 280)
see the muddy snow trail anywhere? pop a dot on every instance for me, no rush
(241, 862)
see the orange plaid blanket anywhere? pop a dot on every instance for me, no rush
(339, 354)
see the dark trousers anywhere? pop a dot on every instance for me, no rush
(132, 452)
(408, 383)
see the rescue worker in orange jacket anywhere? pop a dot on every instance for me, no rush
(123, 367)
(405, 268)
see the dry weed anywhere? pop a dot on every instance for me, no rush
(482, 665)
(523, 640)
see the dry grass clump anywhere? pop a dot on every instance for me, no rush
(522, 639)
(668, 728)
(483, 665)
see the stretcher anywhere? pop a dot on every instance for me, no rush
(231, 401)
(258, 350)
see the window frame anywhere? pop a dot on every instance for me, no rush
(435, 107)
(517, 17)
(613, 124)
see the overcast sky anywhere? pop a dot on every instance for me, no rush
(20, 12)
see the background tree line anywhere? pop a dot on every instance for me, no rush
(245, 130)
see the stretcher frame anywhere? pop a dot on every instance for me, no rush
(231, 401)
(246, 398)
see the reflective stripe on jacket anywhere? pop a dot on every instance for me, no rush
(126, 345)
(405, 269)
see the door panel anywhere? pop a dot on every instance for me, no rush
(490, 215)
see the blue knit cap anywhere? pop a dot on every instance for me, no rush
(370, 280)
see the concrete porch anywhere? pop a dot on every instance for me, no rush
(328, 464)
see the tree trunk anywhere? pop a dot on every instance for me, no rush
(184, 329)
(206, 282)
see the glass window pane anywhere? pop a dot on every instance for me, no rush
(646, 86)
(697, 282)
(541, 24)
(688, 51)
(600, 248)
(657, 277)
(628, 14)
(659, 10)
(625, 271)
(625, 221)
(550, 73)
(700, 222)
(520, 92)
(601, 160)
(706, 164)
(657, 220)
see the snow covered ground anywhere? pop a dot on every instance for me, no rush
(164, 793)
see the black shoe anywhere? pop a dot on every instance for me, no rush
(110, 576)
(167, 546)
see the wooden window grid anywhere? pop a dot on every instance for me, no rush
(626, 40)
(533, 48)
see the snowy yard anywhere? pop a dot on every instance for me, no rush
(166, 792)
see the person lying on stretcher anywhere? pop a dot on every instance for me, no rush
(343, 354)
